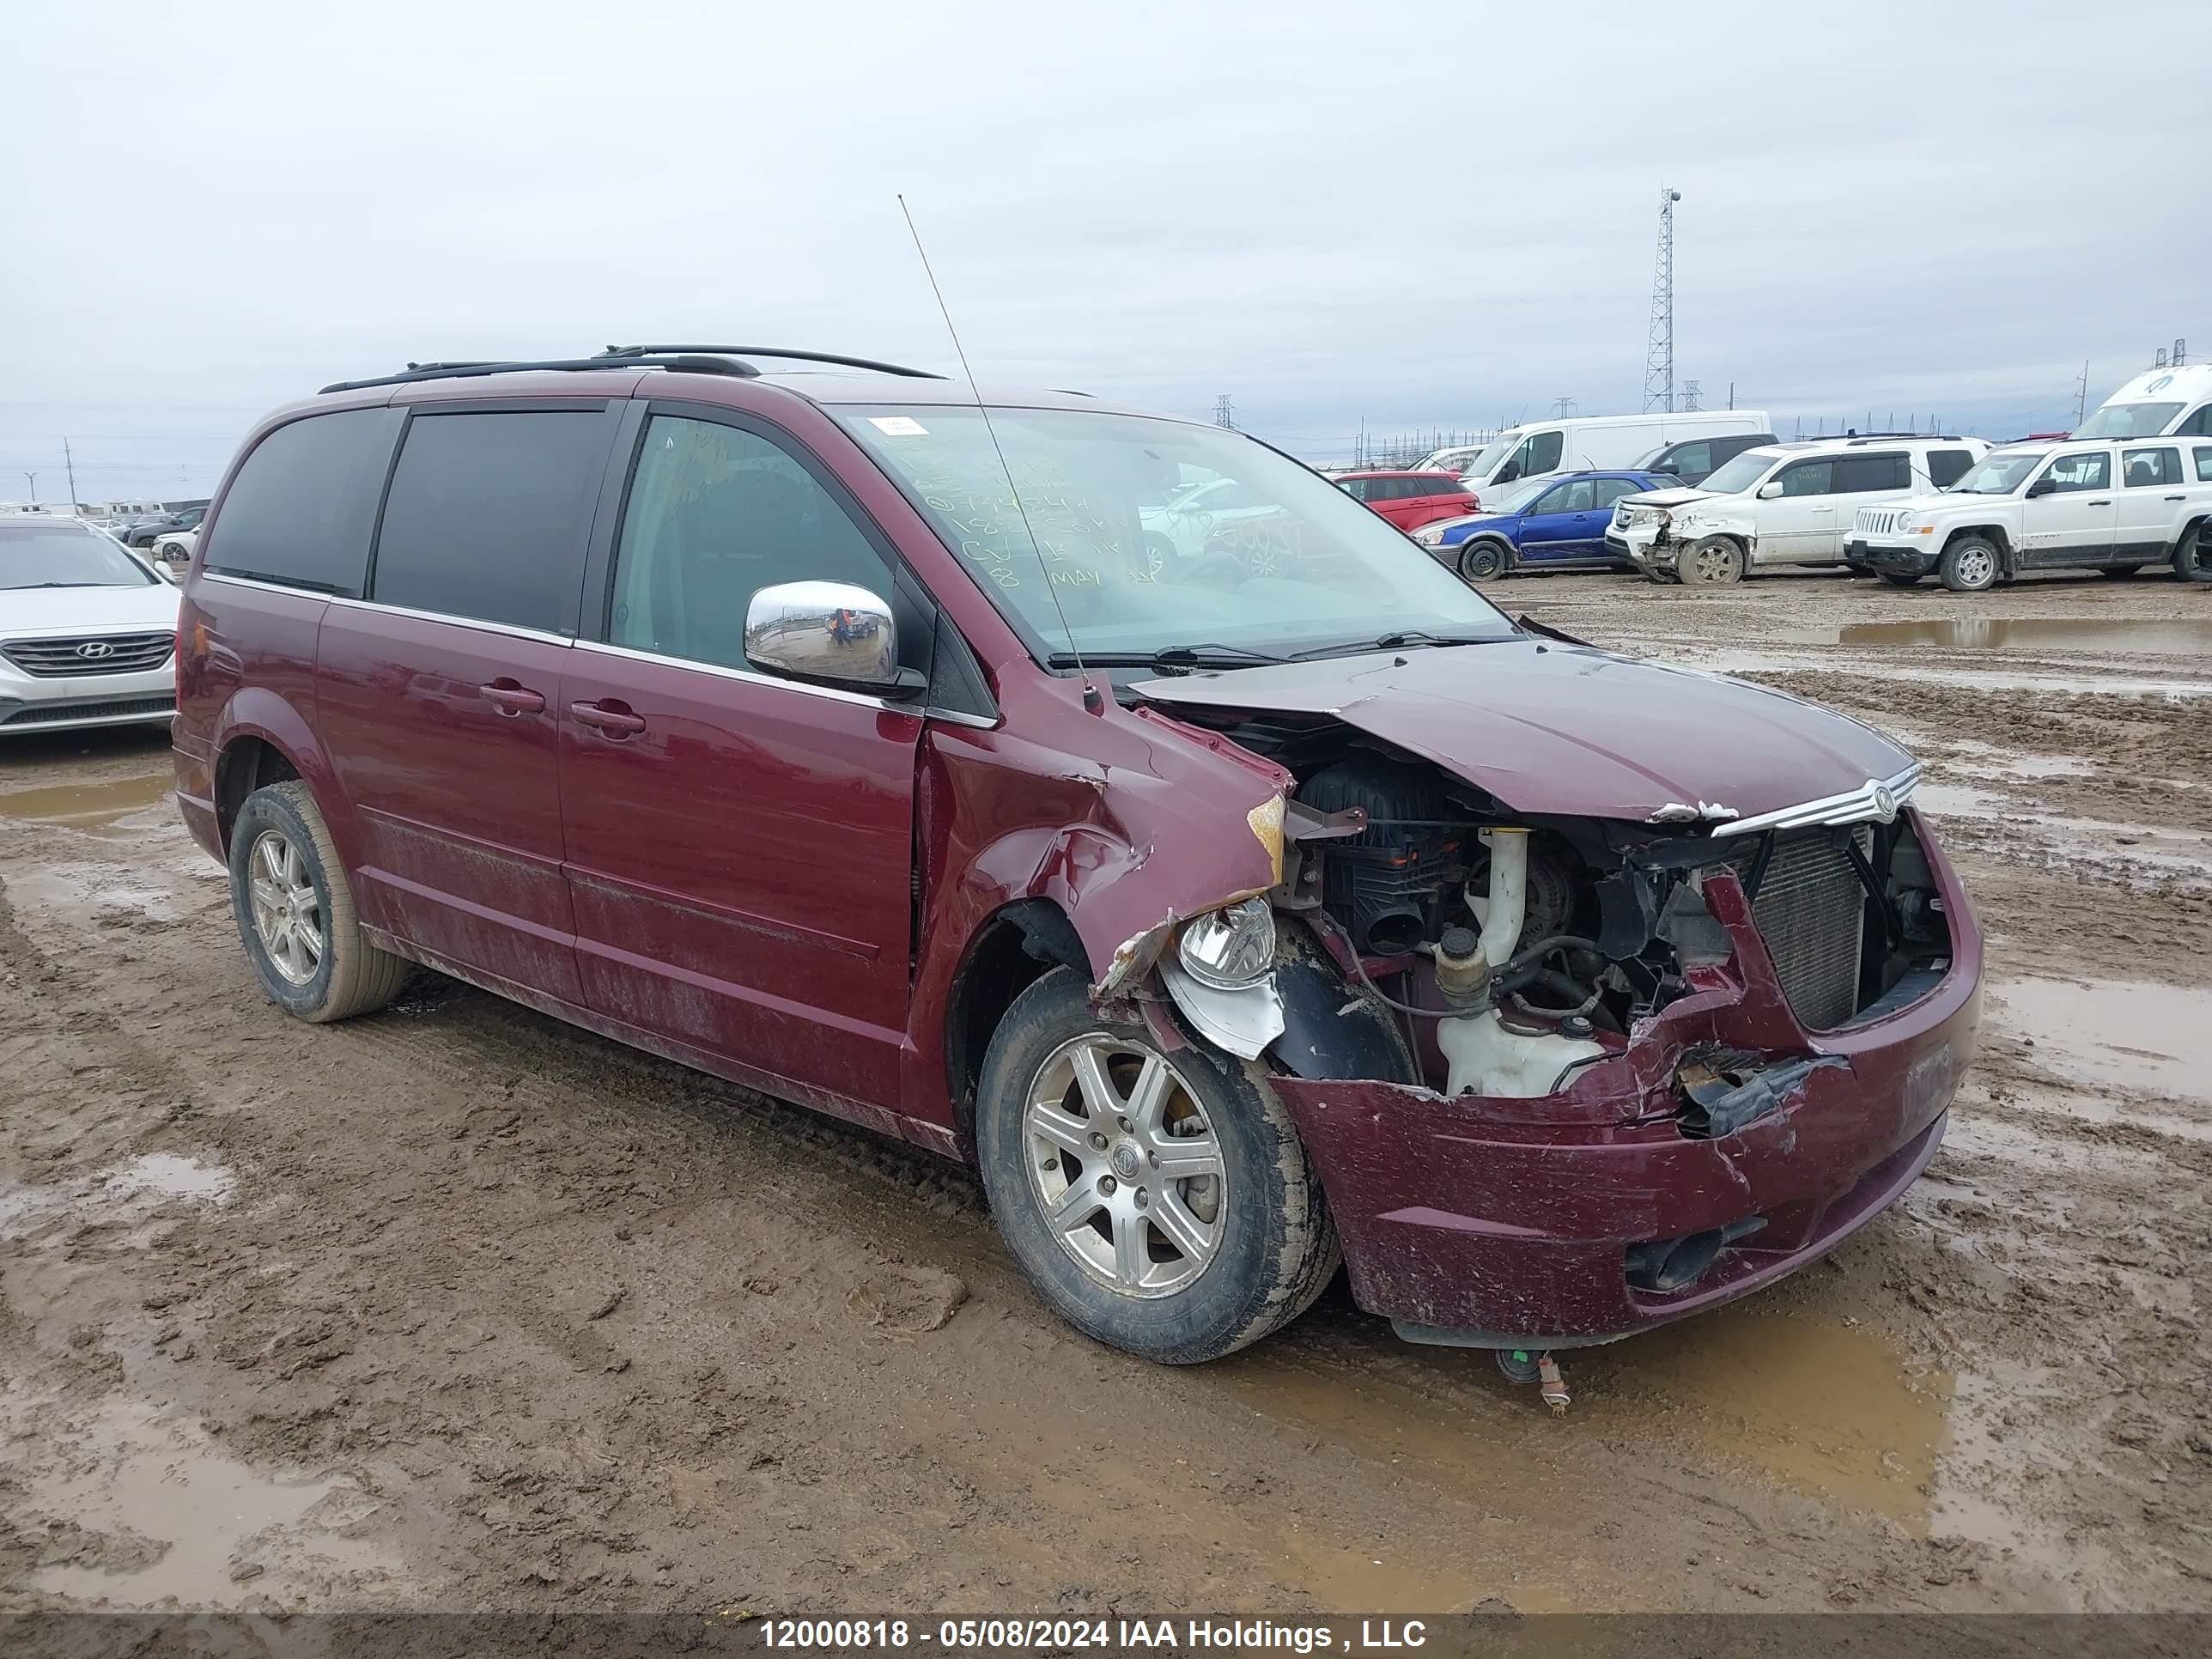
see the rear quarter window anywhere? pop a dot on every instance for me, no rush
(303, 507)
(1857, 474)
(2203, 454)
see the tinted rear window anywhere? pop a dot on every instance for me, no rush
(1857, 473)
(302, 508)
(1947, 466)
(488, 513)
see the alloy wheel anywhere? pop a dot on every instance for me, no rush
(287, 913)
(1715, 561)
(1976, 567)
(1124, 1167)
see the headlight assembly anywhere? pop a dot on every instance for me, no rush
(1229, 948)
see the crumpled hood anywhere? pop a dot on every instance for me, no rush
(1571, 730)
(1677, 497)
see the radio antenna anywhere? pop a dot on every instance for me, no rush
(1092, 699)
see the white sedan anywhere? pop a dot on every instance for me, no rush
(174, 548)
(86, 630)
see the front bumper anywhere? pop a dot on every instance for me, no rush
(1494, 1223)
(38, 703)
(1896, 557)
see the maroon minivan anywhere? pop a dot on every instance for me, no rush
(836, 733)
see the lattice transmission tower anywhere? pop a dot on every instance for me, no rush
(1659, 362)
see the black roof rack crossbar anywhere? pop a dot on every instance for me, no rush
(465, 371)
(775, 351)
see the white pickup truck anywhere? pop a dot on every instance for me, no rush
(2111, 507)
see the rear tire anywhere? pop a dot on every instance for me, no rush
(295, 913)
(1900, 578)
(1484, 561)
(2192, 556)
(1175, 1269)
(1715, 561)
(1970, 565)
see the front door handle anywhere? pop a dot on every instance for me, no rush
(2106, 502)
(2177, 498)
(611, 718)
(510, 698)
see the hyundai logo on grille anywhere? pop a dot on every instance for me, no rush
(92, 649)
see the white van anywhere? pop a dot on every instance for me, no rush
(1576, 444)
(2162, 403)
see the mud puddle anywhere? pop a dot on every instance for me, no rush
(2177, 637)
(96, 808)
(1833, 1410)
(163, 1514)
(2185, 853)
(2104, 1033)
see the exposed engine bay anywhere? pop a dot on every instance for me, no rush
(1511, 952)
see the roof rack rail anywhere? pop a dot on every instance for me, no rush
(459, 371)
(774, 351)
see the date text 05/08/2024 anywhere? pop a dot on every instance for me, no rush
(1062, 1635)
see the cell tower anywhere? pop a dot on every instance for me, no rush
(1224, 412)
(1659, 366)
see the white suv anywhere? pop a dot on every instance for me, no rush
(1780, 504)
(2108, 507)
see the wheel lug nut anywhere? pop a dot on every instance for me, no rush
(1097, 1141)
(1155, 1157)
(1106, 1183)
(1143, 1198)
(1126, 1127)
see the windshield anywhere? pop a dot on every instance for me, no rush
(2000, 473)
(1485, 460)
(1137, 565)
(2128, 420)
(65, 555)
(1512, 497)
(1739, 475)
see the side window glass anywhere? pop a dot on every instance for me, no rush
(1947, 466)
(1355, 488)
(2203, 463)
(487, 516)
(2144, 469)
(2092, 470)
(1570, 498)
(1609, 490)
(2198, 425)
(1808, 479)
(302, 508)
(1856, 474)
(715, 514)
(1544, 451)
(1687, 458)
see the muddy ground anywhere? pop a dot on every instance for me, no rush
(457, 1307)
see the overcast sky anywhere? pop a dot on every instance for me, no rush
(1430, 215)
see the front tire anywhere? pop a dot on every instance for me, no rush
(1484, 561)
(295, 913)
(1970, 565)
(1159, 1203)
(1714, 562)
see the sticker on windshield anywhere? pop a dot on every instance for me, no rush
(898, 426)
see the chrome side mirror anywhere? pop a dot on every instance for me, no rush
(834, 633)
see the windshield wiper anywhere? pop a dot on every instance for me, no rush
(1170, 658)
(1404, 636)
(24, 586)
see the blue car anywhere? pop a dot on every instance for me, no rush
(1556, 522)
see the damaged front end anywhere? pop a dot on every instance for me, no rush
(1565, 1077)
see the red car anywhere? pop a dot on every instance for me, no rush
(830, 733)
(1410, 500)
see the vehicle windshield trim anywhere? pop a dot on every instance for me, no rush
(1103, 560)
